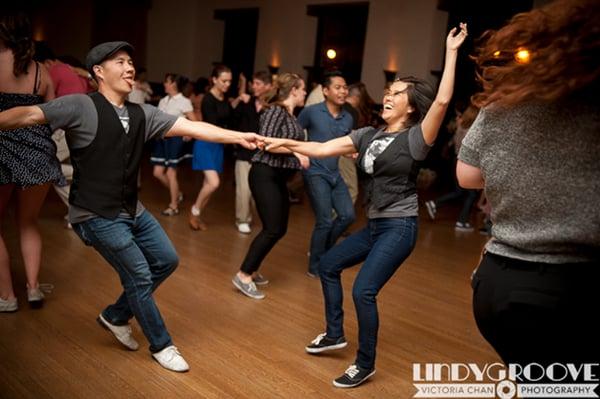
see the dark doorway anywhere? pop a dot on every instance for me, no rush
(480, 17)
(239, 42)
(342, 28)
(112, 20)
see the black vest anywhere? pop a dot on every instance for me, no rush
(105, 171)
(394, 172)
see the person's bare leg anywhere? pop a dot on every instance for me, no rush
(159, 172)
(173, 187)
(209, 186)
(6, 287)
(29, 203)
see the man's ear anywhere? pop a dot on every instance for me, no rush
(96, 69)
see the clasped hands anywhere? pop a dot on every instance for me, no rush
(253, 141)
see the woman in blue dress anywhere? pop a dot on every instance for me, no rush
(208, 157)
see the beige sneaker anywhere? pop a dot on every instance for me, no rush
(171, 359)
(121, 333)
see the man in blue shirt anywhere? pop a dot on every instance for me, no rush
(328, 192)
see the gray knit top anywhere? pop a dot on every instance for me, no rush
(541, 165)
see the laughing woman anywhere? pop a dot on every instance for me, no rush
(388, 163)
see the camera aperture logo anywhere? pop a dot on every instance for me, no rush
(495, 380)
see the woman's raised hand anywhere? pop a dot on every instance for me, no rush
(453, 41)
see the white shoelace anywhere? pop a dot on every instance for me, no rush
(352, 371)
(319, 338)
(173, 351)
(252, 287)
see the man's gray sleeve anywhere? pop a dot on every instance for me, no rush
(158, 123)
(76, 114)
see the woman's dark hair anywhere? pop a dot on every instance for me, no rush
(180, 81)
(263, 76)
(218, 70)
(15, 34)
(43, 52)
(366, 105)
(420, 96)
(201, 85)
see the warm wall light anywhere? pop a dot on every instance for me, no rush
(389, 75)
(331, 54)
(273, 70)
(522, 56)
(496, 54)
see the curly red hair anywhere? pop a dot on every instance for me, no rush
(563, 40)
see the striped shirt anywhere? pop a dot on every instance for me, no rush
(277, 122)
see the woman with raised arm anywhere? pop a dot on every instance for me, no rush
(387, 161)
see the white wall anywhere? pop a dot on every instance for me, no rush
(184, 37)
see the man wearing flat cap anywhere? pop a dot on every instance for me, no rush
(106, 134)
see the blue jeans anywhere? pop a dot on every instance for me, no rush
(383, 245)
(327, 193)
(143, 256)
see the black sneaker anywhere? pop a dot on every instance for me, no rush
(354, 376)
(323, 343)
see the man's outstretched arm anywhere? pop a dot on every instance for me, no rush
(207, 132)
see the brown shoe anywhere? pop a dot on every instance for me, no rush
(197, 224)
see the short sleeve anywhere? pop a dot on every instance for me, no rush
(470, 150)
(209, 109)
(68, 112)
(158, 123)
(416, 143)
(355, 135)
(304, 117)
(186, 106)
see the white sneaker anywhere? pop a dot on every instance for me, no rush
(8, 305)
(431, 209)
(171, 359)
(466, 226)
(244, 228)
(121, 333)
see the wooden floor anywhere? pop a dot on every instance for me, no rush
(237, 347)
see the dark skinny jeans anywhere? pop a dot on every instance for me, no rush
(269, 189)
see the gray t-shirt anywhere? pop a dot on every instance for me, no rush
(77, 115)
(541, 165)
(418, 149)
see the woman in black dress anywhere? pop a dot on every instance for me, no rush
(28, 162)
